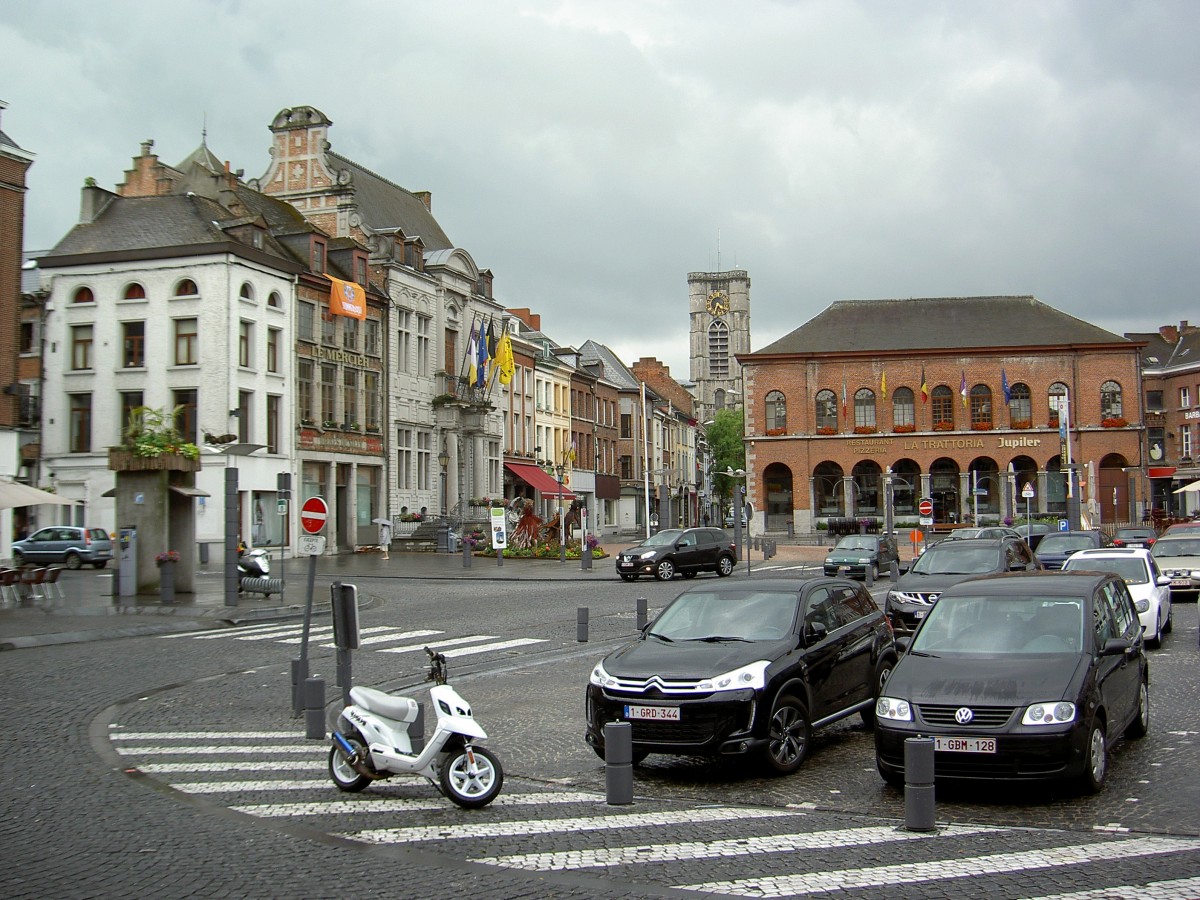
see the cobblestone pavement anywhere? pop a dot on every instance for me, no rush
(169, 765)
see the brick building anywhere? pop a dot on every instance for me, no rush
(962, 400)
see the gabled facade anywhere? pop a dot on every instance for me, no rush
(678, 479)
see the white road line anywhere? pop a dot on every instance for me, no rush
(439, 644)
(312, 634)
(1155, 890)
(499, 645)
(208, 634)
(397, 805)
(200, 735)
(940, 870)
(770, 843)
(233, 767)
(217, 749)
(286, 631)
(552, 826)
(386, 638)
(241, 787)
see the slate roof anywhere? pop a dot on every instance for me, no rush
(387, 205)
(938, 323)
(615, 371)
(1159, 353)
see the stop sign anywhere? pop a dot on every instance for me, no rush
(925, 507)
(313, 514)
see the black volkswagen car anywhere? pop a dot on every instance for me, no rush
(1023, 676)
(683, 550)
(748, 668)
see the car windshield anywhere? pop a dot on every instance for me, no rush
(745, 615)
(662, 539)
(856, 542)
(1064, 543)
(1174, 547)
(1130, 568)
(957, 560)
(984, 625)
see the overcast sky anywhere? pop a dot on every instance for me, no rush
(590, 153)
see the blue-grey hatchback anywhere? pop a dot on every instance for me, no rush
(67, 544)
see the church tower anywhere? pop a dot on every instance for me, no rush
(719, 311)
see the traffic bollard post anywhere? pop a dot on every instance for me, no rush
(920, 808)
(314, 709)
(618, 763)
(643, 612)
(581, 624)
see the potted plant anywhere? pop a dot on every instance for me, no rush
(152, 442)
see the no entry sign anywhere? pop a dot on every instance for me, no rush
(313, 514)
(925, 507)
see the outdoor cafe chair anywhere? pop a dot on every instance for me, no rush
(53, 589)
(33, 584)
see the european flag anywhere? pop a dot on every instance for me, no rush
(1004, 387)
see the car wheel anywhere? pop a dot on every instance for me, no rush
(1153, 643)
(665, 570)
(874, 572)
(18, 559)
(1170, 625)
(1140, 726)
(1095, 768)
(625, 577)
(100, 564)
(73, 561)
(882, 674)
(789, 736)
(725, 566)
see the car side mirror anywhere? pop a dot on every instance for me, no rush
(1115, 647)
(817, 631)
(902, 642)
(1164, 579)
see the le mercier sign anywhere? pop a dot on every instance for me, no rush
(996, 442)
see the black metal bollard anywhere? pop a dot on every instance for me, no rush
(920, 808)
(618, 763)
(643, 613)
(299, 676)
(869, 575)
(468, 554)
(585, 559)
(314, 709)
(895, 569)
(581, 624)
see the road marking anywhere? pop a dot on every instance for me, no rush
(1155, 890)
(439, 644)
(208, 634)
(200, 735)
(769, 843)
(553, 826)
(234, 766)
(499, 645)
(385, 638)
(372, 630)
(176, 750)
(241, 787)
(941, 870)
(397, 805)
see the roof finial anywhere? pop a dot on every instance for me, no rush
(204, 130)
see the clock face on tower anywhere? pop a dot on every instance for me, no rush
(718, 303)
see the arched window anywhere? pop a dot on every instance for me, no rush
(1110, 401)
(273, 299)
(718, 399)
(718, 350)
(903, 408)
(1020, 406)
(864, 408)
(827, 412)
(942, 402)
(776, 411)
(83, 295)
(135, 292)
(186, 288)
(1057, 397)
(247, 291)
(981, 406)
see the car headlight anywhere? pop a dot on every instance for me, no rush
(600, 677)
(1051, 713)
(893, 708)
(1142, 605)
(753, 676)
(647, 554)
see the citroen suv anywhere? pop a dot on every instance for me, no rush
(683, 550)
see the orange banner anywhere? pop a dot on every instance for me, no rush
(347, 299)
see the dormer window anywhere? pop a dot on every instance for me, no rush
(360, 268)
(318, 256)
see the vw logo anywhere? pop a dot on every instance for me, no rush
(963, 715)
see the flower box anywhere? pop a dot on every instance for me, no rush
(981, 426)
(1022, 423)
(123, 459)
(904, 429)
(776, 432)
(865, 429)
(943, 426)
(1115, 422)
(826, 429)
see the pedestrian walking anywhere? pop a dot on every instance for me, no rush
(385, 538)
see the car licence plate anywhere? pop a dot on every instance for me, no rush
(657, 713)
(964, 744)
(1181, 582)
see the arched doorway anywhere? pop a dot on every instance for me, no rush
(1112, 493)
(777, 485)
(1024, 470)
(868, 488)
(943, 489)
(983, 482)
(906, 487)
(827, 489)
(1056, 487)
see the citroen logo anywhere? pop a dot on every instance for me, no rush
(963, 715)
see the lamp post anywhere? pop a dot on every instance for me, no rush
(739, 508)
(559, 469)
(443, 459)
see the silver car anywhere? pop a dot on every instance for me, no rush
(68, 544)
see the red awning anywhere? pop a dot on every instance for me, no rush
(1160, 471)
(538, 480)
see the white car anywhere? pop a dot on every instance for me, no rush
(1148, 586)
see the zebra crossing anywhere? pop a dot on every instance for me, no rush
(708, 849)
(379, 638)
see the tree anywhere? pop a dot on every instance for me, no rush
(725, 436)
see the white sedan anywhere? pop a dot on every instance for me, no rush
(1147, 584)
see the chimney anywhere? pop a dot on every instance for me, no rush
(1185, 328)
(93, 201)
(426, 198)
(1169, 333)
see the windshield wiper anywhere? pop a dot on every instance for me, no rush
(720, 638)
(923, 653)
(661, 637)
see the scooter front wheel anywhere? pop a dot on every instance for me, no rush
(471, 777)
(343, 774)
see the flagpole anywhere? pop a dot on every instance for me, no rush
(645, 460)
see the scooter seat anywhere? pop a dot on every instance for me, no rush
(401, 709)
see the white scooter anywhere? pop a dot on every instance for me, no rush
(380, 735)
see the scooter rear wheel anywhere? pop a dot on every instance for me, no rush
(343, 774)
(467, 790)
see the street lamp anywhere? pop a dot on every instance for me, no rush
(739, 509)
(559, 469)
(443, 459)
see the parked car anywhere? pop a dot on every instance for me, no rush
(1024, 676)
(947, 563)
(1178, 555)
(1055, 548)
(862, 553)
(67, 544)
(745, 669)
(986, 531)
(1134, 537)
(1147, 584)
(1181, 527)
(1033, 532)
(683, 550)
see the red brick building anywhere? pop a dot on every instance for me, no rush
(961, 400)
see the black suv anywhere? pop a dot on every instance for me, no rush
(859, 554)
(947, 563)
(683, 550)
(746, 668)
